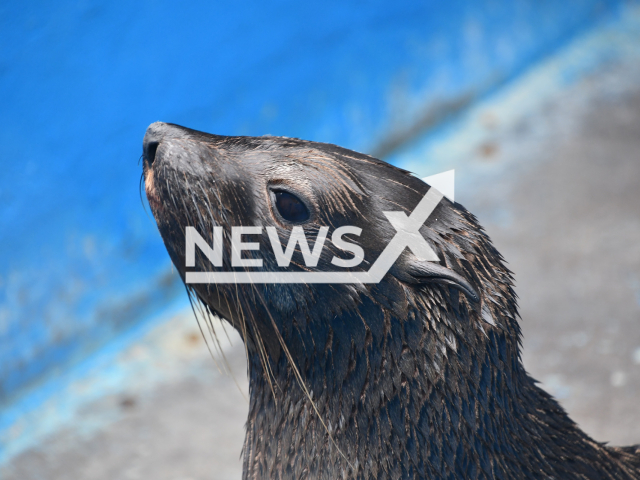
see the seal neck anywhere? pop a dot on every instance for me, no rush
(431, 394)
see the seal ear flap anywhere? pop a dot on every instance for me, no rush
(421, 271)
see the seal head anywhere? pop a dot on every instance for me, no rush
(417, 376)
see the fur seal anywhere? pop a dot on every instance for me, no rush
(417, 376)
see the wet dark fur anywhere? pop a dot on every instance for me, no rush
(410, 378)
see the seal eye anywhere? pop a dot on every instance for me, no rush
(290, 207)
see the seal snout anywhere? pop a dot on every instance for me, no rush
(156, 133)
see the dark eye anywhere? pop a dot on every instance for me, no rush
(290, 207)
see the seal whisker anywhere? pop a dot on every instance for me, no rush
(206, 311)
(204, 337)
(211, 316)
(141, 199)
(263, 355)
(298, 376)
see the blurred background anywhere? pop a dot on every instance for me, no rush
(536, 104)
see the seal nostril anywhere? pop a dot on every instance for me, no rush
(150, 154)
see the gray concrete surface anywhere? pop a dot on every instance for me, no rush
(571, 233)
(566, 216)
(188, 429)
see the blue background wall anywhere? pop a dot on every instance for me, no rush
(80, 262)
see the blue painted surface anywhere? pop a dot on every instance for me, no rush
(80, 81)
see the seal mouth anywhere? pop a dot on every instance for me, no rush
(150, 188)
